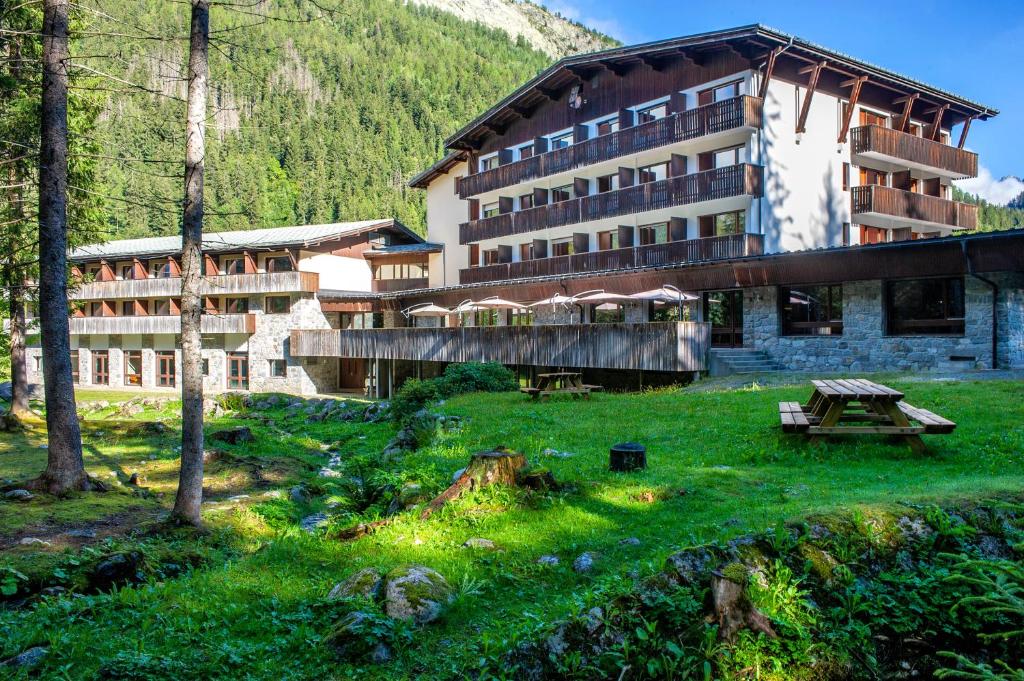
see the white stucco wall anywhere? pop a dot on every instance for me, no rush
(337, 272)
(445, 211)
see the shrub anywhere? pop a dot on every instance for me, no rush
(415, 394)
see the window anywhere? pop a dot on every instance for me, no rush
(74, 366)
(100, 367)
(846, 233)
(127, 271)
(846, 176)
(133, 367)
(278, 263)
(236, 305)
(489, 210)
(811, 310)
(525, 201)
(526, 251)
(38, 363)
(651, 113)
(730, 223)
(871, 176)
(656, 233)
(729, 157)
(277, 305)
(561, 141)
(606, 241)
(562, 247)
(563, 193)
(488, 163)
(161, 307)
(95, 309)
(165, 369)
(206, 366)
(652, 173)
(873, 235)
(234, 265)
(607, 183)
(160, 269)
(485, 318)
(357, 320)
(238, 370)
(719, 93)
(609, 126)
(521, 317)
(925, 307)
(607, 313)
(872, 118)
(128, 308)
(278, 368)
(526, 151)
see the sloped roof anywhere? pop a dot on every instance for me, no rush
(401, 249)
(255, 239)
(439, 168)
(767, 37)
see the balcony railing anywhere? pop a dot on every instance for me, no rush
(653, 255)
(718, 183)
(664, 346)
(729, 114)
(900, 204)
(392, 285)
(156, 324)
(902, 146)
(216, 285)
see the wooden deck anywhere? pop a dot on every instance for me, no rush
(667, 346)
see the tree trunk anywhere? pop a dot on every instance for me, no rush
(19, 370)
(64, 468)
(190, 480)
(499, 466)
(734, 609)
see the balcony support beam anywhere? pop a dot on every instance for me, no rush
(856, 83)
(769, 69)
(963, 133)
(812, 85)
(908, 103)
(937, 120)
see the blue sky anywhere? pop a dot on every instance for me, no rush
(971, 48)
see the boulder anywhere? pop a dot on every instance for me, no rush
(690, 566)
(312, 523)
(18, 495)
(27, 659)
(417, 593)
(298, 494)
(630, 541)
(6, 391)
(584, 562)
(233, 436)
(376, 411)
(117, 568)
(33, 541)
(548, 560)
(365, 583)
(358, 636)
(479, 543)
(411, 494)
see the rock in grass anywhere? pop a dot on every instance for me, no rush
(85, 533)
(584, 563)
(33, 541)
(117, 568)
(417, 593)
(298, 494)
(311, 523)
(548, 560)
(630, 541)
(690, 566)
(479, 543)
(28, 658)
(233, 436)
(358, 636)
(365, 583)
(18, 495)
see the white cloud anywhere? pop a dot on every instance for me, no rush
(992, 190)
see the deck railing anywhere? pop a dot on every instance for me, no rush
(215, 285)
(392, 285)
(913, 149)
(718, 183)
(160, 324)
(652, 255)
(729, 114)
(913, 206)
(660, 346)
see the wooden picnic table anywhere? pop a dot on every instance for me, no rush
(857, 406)
(560, 383)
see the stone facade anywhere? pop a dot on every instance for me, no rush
(864, 345)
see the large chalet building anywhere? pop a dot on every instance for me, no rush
(801, 200)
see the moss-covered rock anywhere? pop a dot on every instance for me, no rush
(416, 593)
(365, 583)
(361, 635)
(691, 566)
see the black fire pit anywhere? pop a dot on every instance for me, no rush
(627, 456)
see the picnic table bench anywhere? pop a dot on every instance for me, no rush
(560, 383)
(857, 406)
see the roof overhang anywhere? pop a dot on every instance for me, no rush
(422, 180)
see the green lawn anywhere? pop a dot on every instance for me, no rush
(255, 604)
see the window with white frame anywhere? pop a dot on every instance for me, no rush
(561, 141)
(488, 162)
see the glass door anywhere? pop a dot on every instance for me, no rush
(724, 309)
(238, 371)
(165, 369)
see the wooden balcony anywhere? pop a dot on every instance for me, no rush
(730, 114)
(719, 183)
(896, 207)
(161, 324)
(901, 148)
(664, 346)
(217, 285)
(392, 285)
(654, 255)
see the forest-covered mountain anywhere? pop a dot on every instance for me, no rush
(992, 216)
(318, 115)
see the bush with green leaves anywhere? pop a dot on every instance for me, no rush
(458, 379)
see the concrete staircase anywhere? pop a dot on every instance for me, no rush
(727, 361)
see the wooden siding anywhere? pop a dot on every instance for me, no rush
(653, 255)
(224, 323)
(901, 145)
(743, 111)
(221, 284)
(666, 346)
(708, 185)
(912, 206)
(392, 285)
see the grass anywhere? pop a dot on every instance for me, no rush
(718, 467)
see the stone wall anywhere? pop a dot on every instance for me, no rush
(864, 346)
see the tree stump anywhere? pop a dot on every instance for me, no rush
(498, 466)
(733, 606)
(627, 456)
